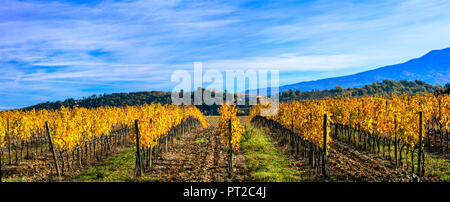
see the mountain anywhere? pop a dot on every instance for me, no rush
(433, 68)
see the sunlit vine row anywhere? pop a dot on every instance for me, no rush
(395, 117)
(71, 127)
(228, 112)
(304, 118)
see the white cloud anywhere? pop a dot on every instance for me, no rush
(48, 46)
(291, 62)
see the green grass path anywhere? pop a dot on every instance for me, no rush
(117, 168)
(267, 163)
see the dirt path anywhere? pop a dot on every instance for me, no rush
(41, 168)
(37, 168)
(348, 164)
(199, 156)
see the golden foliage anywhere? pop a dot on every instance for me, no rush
(393, 117)
(228, 112)
(71, 127)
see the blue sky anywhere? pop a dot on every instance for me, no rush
(52, 50)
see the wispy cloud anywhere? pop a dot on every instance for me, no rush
(289, 62)
(58, 49)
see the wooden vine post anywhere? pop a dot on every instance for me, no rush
(292, 141)
(50, 141)
(419, 158)
(230, 150)
(324, 154)
(138, 172)
(395, 141)
(9, 143)
(2, 161)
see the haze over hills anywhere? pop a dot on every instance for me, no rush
(433, 68)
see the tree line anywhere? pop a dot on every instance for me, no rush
(384, 88)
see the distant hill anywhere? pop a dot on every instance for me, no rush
(433, 68)
(115, 99)
(384, 88)
(124, 99)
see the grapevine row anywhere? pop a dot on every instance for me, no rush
(231, 130)
(371, 123)
(83, 134)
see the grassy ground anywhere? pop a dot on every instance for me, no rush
(437, 167)
(267, 163)
(18, 179)
(117, 168)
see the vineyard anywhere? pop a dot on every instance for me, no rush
(395, 138)
(78, 136)
(400, 129)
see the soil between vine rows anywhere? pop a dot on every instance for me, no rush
(40, 168)
(348, 164)
(198, 156)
